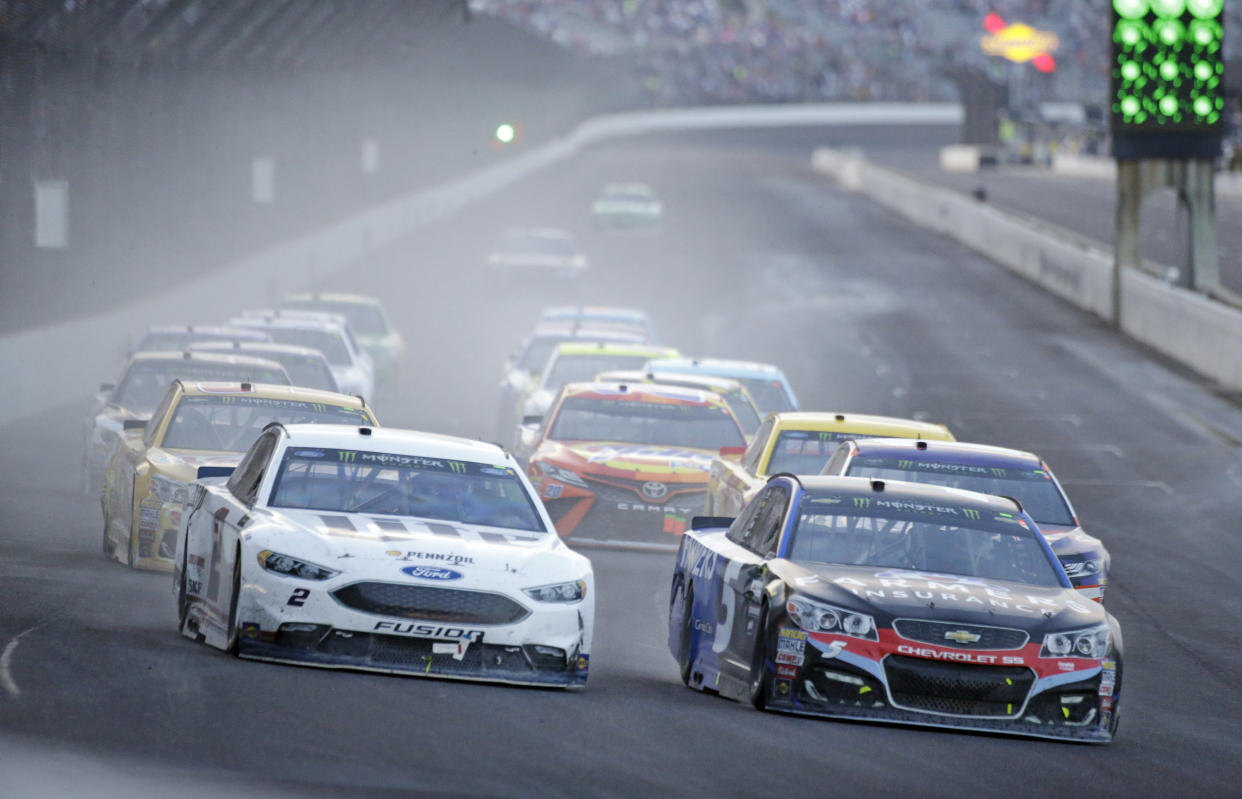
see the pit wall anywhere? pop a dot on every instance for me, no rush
(1188, 327)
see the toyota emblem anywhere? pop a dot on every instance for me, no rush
(654, 490)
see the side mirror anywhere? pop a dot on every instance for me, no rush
(130, 425)
(531, 421)
(107, 388)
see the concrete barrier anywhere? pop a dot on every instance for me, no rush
(1192, 329)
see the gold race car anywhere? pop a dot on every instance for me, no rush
(198, 430)
(798, 442)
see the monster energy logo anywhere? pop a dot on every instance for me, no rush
(457, 466)
(320, 407)
(905, 464)
(970, 513)
(347, 456)
(862, 502)
(998, 472)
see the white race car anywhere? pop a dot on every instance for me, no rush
(384, 550)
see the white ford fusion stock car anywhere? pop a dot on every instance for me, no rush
(384, 550)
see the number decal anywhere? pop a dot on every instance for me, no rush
(728, 600)
(298, 598)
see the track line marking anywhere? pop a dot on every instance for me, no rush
(6, 660)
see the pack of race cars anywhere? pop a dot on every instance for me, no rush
(827, 563)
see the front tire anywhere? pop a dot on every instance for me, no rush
(235, 596)
(685, 655)
(759, 663)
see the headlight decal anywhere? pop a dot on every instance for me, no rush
(1091, 643)
(820, 617)
(293, 567)
(572, 591)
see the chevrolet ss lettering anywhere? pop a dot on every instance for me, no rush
(899, 602)
(497, 595)
(431, 573)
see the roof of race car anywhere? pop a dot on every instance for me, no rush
(709, 382)
(720, 366)
(316, 322)
(613, 348)
(396, 441)
(900, 491)
(255, 346)
(589, 330)
(331, 296)
(643, 392)
(205, 388)
(949, 452)
(864, 425)
(224, 331)
(594, 312)
(178, 356)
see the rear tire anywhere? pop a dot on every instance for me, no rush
(759, 663)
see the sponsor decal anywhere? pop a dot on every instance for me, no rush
(1110, 665)
(963, 591)
(704, 626)
(308, 453)
(417, 630)
(248, 629)
(797, 635)
(654, 490)
(457, 467)
(792, 658)
(783, 670)
(346, 456)
(584, 663)
(552, 490)
(148, 517)
(962, 657)
(783, 687)
(1106, 689)
(805, 581)
(1064, 666)
(790, 645)
(395, 553)
(431, 573)
(442, 557)
(1106, 703)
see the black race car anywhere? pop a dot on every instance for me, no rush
(891, 601)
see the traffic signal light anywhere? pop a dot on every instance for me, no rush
(1168, 66)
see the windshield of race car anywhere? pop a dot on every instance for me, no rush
(231, 422)
(577, 368)
(329, 342)
(1033, 488)
(144, 384)
(306, 370)
(354, 481)
(769, 395)
(920, 536)
(365, 319)
(804, 451)
(633, 422)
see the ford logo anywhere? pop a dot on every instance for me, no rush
(431, 573)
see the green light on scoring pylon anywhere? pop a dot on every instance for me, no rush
(1202, 106)
(505, 133)
(1168, 105)
(1130, 106)
(1130, 9)
(1168, 70)
(1204, 71)
(1130, 70)
(1170, 31)
(1205, 9)
(1168, 9)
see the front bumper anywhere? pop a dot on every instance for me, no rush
(609, 512)
(902, 689)
(299, 621)
(158, 525)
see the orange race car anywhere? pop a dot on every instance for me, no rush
(625, 462)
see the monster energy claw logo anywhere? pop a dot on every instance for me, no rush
(862, 502)
(347, 456)
(970, 513)
(457, 466)
(998, 472)
(905, 464)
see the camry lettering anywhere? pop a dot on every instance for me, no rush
(655, 508)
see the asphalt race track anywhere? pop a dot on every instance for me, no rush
(758, 258)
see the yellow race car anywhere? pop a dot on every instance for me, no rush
(798, 442)
(198, 430)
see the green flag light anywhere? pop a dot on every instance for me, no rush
(505, 133)
(1130, 9)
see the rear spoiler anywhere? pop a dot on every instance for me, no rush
(710, 522)
(214, 471)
